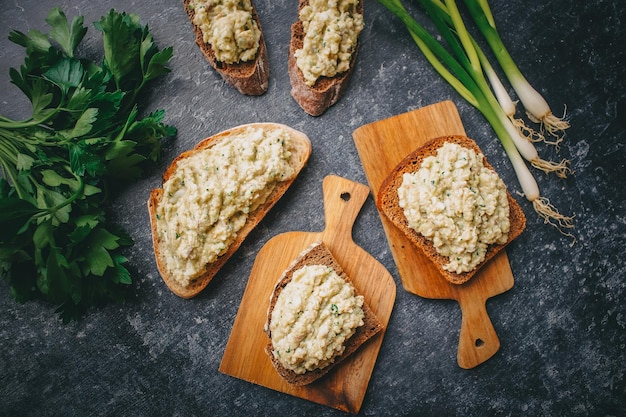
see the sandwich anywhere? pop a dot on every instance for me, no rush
(452, 205)
(230, 36)
(214, 195)
(316, 318)
(322, 52)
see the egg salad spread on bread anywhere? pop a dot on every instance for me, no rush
(210, 194)
(457, 203)
(331, 30)
(228, 26)
(314, 315)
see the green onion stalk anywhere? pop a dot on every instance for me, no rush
(463, 68)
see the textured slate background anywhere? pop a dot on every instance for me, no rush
(562, 326)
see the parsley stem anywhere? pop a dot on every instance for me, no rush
(77, 194)
(11, 124)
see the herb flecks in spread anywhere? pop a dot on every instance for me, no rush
(315, 314)
(331, 31)
(457, 203)
(209, 196)
(228, 26)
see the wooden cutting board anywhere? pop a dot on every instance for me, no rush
(381, 146)
(244, 357)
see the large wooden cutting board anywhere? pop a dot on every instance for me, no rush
(381, 146)
(244, 357)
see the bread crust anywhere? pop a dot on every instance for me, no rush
(387, 202)
(299, 157)
(250, 77)
(326, 91)
(318, 254)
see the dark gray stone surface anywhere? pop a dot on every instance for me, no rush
(562, 327)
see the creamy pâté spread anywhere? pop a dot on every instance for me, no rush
(315, 313)
(457, 203)
(228, 26)
(331, 30)
(210, 194)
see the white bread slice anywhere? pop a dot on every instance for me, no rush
(300, 147)
(250, 77)
(318, 254)
(387, 202)
(326, 91)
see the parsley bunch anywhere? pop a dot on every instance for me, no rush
(83, 138)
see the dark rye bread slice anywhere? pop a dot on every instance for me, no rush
(326, 91)
(319, 254)
(387, 202)
(300, 152)
(249, 77)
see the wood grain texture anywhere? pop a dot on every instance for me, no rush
(381, 146)
(343, 388)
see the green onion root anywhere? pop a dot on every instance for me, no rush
(542, 206)
(554, 125)
(531, 134)
(538, 109)
(560, 169)
(529, 152)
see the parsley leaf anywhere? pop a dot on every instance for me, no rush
(67, 37)
(122, 47)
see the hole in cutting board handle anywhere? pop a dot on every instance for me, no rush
(479, 343)
(345, 196)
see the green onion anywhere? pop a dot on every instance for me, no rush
(536, 106)
(505, 101)
(463, 67)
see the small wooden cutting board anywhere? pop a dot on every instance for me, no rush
(244, 357)
(381, 146)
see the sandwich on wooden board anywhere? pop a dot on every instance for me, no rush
(316, 318)
(450, 203)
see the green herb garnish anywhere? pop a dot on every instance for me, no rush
(84, 137)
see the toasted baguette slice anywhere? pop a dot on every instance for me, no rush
(300, 152)
(318, 254)
(387, 202)
(326, 91)
(249, 77)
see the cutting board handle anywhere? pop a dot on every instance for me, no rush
(478, 340)
(343, 200)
